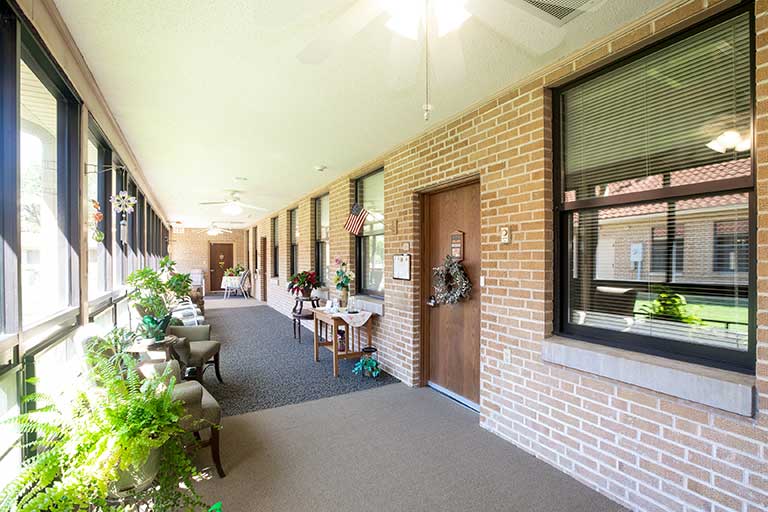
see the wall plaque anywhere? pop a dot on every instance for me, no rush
(457, 245)
(401, 268)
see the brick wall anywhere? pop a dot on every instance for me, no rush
(643, 449)
(191, 249)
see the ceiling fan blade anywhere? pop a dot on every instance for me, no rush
(205, 203)
(250, 206)
(349, 23)
(449, 60)
(516, 24)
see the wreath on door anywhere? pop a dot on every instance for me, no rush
(450, 282)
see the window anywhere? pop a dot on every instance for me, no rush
(731, 253)
(322, 238)
(370, 245)
(141, 231)
(275, 247)
(45, 201)
(293, 217)
(255, 234)
(656, 185)
(121, 230)
(96, 186)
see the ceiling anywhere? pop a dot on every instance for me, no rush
(207, 91)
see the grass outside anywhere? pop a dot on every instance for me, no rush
(712, 314)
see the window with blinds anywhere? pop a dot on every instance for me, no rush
(656, 186)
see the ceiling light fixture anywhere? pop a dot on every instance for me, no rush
(232, 208)
(730, 140)
(408, 16)
(214, 232)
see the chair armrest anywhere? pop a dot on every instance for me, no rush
(192, 333)
(190, 393)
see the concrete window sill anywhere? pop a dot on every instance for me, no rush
(368, 303)
(726, 390)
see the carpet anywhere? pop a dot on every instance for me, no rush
(263, 366)
(394, 448)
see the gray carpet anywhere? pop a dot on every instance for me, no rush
(394, 448)
(264, 367)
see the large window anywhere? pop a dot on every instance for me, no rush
(657, 223)
(45, 207)
(275, 247)
(322, 238)
(370, 245)
(97, 181)
(293, 216)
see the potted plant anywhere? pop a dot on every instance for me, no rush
(154, 293)
(368, 366)
(343, 279)
(303, 283)
(117, 442)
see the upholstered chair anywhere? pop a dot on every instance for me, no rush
(203, 411)
(195, 349)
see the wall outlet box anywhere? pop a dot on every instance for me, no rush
(507, 355)
(482, 281)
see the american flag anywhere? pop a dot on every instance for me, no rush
(356, 219)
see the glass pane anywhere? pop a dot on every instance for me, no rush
(371, 197)
(373, 263)
(323, 218)
(10, 457)
(44, 260)
(294, 225)
(680, 115)
(96, 251)
(629, 275)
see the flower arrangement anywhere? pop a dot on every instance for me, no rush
(303, 283)
(343, 277)
(234, 271)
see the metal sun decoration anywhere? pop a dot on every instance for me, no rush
(123, 203)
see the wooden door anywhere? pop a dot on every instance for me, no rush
(221, 259)
(453, 331)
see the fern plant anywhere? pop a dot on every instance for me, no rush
(111, 428)
(671, 306)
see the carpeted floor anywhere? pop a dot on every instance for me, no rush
(264, 367)
(393, 448)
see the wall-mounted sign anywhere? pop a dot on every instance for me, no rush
(401, 268)
(457, 245)
(504, 234)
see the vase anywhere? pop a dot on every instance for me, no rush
(344, 298)
(306, 293)
(133, 480)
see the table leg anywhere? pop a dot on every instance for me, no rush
(368, 328)
(335, 335)
(317, 331)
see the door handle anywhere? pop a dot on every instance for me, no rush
(431, 302)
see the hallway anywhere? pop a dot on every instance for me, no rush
(392, 448)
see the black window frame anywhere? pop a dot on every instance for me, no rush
(738, 361)
(320, 241)
(293, 225)
(360, 242)
(275, 234)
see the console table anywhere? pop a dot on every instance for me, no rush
(352, 322)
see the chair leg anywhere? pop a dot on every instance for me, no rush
(216, 367)
(215, 451)
(197, 435)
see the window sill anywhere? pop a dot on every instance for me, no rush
(368, 303)
(726, 390)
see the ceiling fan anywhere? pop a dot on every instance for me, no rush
(233, 205)
(216, 228)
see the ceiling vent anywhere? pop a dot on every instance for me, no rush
(559, 12)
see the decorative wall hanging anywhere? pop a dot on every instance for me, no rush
(450, 282)
(95, 218)
(123, 203)
(457, 245)
(401, 267)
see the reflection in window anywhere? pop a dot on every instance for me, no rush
(619, 286)
(44, 267)
(322, 234)
(370, 194)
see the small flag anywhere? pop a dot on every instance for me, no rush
(356, 219)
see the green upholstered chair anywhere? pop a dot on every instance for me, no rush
(195, 349)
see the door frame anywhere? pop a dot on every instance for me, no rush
(425, 272)
(210, 263)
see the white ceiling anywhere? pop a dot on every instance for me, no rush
(208, 90)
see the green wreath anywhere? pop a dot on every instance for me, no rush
(450, 282)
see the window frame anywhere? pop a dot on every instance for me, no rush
(320, 242)
(105, 178)
(293, 225)
(743, 362)
(360, 242)
(275, 235)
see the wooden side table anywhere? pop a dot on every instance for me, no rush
(353, 344)
(299, 314)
